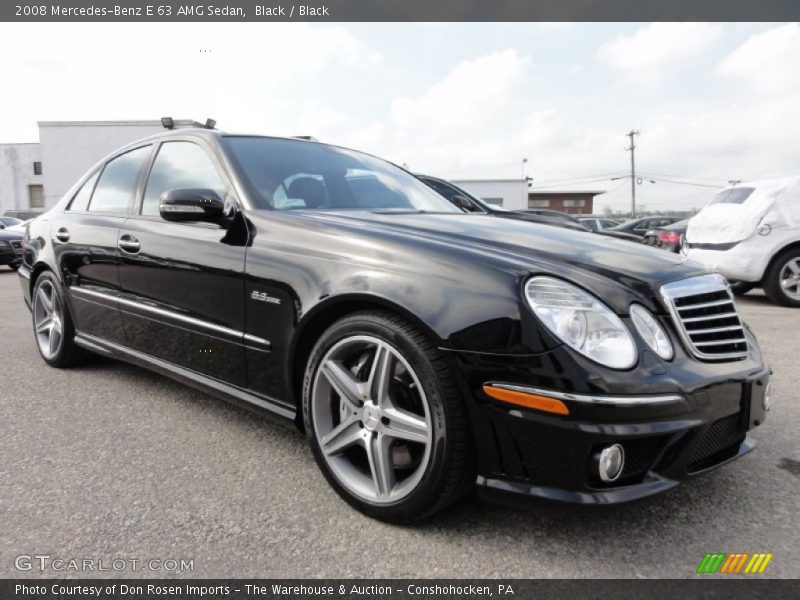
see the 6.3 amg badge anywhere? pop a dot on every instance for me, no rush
(264, 297)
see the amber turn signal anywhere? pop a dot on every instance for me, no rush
(527, 400)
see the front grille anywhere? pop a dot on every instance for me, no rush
(706, 317)
(640, 454)
(720, 441)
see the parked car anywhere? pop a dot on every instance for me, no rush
(11, 248)
(18, 227)
(423, 350)
(6, 222)
(21, 214)
(750, 233)
(642, 225)
(669, 237)
(467, 202)
(598, 223)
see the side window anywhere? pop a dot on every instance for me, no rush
(117, 182)
(80, 201)
(180, 165)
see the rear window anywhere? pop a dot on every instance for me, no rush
(732, 196)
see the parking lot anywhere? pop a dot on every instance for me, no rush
(112, 461)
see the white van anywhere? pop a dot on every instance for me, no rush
(750, 233)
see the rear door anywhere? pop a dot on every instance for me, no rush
(84, 239)
(183, 283)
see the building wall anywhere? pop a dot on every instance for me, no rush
(508, 193)
(70, 148)
(16, 174)
(576, 203)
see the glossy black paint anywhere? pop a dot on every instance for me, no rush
(234, 309)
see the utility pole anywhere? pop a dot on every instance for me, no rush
(632, 134)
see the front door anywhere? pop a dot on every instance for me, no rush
(183, 283)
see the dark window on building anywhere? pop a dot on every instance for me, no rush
(180, 165)
(36, 196)
(493, 201)
(37, 168)
(574, 203)
(539, 203)
(118, 181)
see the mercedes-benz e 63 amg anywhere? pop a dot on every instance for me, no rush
(423, 350)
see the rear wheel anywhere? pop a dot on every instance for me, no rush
(782, 283)
(52, 323)
(385, 418)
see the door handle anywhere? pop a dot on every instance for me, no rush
(128, 243)
(62, 234)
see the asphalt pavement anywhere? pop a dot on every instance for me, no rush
(109, 461)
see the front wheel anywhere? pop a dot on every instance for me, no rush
(782, 283)
(385, 418)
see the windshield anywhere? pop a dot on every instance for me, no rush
(295, 174)
(732, 196)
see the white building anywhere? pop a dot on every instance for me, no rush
(21, 180)
(35, 176)
(511, 194)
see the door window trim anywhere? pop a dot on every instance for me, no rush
(136, 186)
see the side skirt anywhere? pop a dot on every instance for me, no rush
(258, 404)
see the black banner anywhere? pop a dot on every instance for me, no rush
(421, 589)
(401, 10)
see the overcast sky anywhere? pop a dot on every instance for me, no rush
(713, 102)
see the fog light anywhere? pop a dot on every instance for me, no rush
(610, 462)
(767, 399)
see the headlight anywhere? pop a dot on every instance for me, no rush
(581, 321)
(650, 330)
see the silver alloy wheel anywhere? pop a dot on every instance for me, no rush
(371, 419)
(789, 279)
(48, 320)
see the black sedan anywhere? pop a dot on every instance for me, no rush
(422, 350)
(12, 248)
(669, 237)
(639, 227)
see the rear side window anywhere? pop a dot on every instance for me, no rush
(118, 181)
(732, 196)
(180, 165)
(81, 200)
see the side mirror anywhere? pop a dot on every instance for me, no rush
(463, 203)
(192, 205)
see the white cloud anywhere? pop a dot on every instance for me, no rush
(768, 62)
(657, 48)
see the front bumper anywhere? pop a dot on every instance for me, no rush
(525, 452)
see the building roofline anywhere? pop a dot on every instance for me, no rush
(595, 192)
(457, 180)
(139, 123)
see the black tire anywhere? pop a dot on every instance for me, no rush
(68, 353)
(772, 283)
(449, 474)
(740, 288)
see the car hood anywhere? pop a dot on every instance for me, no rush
(533, 246)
